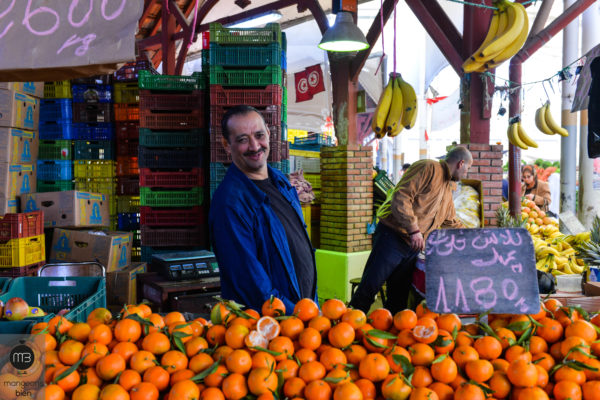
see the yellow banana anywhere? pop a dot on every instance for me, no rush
(560, 260)
(577, 269)
(566, 268)
(382, 110)
(515, 46)
(554, 127)
(516, 21)
(524, 137)
(513, 137)
(396, 109)
(556, 272)
(409, 115)
(548, 250)
(540, 120)
(473, 63)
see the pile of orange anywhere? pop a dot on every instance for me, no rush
(319, 354)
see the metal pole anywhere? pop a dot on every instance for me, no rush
(568, 145)
(588, 205)
(514, 153)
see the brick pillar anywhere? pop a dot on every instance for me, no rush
(487, 167)
(346, 198)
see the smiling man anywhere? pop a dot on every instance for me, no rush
(257, 230)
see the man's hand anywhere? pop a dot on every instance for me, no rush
(417, 242)
(529, 196)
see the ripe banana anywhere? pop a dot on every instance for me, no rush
(473, 63)
(513, 136)
(540, 120)
(554, 127)
(382, 110)
(524, 137)
(392, 123)
(515, 46)
(409, 115)
(516, 23)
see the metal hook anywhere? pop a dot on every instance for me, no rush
(544, 87)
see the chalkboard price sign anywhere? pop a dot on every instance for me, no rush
(476, 270)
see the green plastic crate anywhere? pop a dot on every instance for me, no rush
(80, 295)
(100, 185)
(271, 33)
(191, 138)
(171, 198)
(245, 77)
(170, 82)
(94, 169)
(54, 186)
(126, 92)
(245, 56)
(55, 150)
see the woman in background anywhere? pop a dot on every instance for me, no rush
(534, 189)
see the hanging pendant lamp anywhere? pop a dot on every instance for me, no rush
(344, 35)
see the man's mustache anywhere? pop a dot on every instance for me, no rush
(252, 153)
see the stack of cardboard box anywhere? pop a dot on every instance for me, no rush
(19, 116)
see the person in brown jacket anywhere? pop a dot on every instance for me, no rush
(421, 203)
(534, 189)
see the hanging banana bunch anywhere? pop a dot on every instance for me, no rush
(506, 35)
(396, 109)
(517, 135)
(546, 123)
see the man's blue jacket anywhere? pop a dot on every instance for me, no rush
(250, 243)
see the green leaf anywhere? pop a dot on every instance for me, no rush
(334, 380)
(554, 369)
(179, 334)
(439, 358)
(407, 367)
(69, 370)
(454, 333)
(485, 389)
(518, 326)
(376, 344)
(440, 341)
(280, 382)
(525, 336)
(406, 380)
(271, 352)
(582, 312)
(203, 374)
(117, 377)
(487, 329)
(579, 366)
(534, 322)
(139, 319)
(179, 344)
(381, 334)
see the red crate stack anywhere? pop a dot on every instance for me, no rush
(22, 244)
(172, 163)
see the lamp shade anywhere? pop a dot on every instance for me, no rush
(344, 35)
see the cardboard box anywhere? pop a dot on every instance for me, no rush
(35, 89)
(16, 179)
(111, 249)
(19, 110)
(70, 208)
(121, 285)
(591, 288)
(18, 146)
(8, 205)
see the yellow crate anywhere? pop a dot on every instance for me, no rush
(57, 90)
(293, 133)
(306, 215)
(305, 153)
(94, 169)
(22, 252)
(314, 180)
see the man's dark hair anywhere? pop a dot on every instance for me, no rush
(405, 166)
(237, 110)
(458, 153)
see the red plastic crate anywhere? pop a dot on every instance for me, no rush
(28, 270)
(127, 130)
(172, 179)
(171, 120)
(271, 114)
(192, 216)
(274, 132)
(217, 151)
(20, 225)
(127, 112)
(195, 236)
(271, 95)
(128, 185)
(128, 147)
(127, 166)
(150, 100)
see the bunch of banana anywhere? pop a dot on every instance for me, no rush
(506, 35)
(396, 109)
(556, 255)
(580, 238)
(547, 124)
(518, 137)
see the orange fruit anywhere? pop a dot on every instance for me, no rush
(193, 346)
(113, 392)
(156, 343)
(393, 356)
(444, 392)
(305, 355)
(426, 330)
(215, 335)
(312, 371)
(341, 335)
(181, 375)
(211, 393)
(216, 378)
(92, 352)
(500, 384)
(331, 357)
(544, 360)
(158, 376)
(444, 370)
(109, 366)
(444, 342)
(479, 370)
(421, 377)
(52, 392)
(464, 354)
(234, 386)
(394, 387)
(583, 329)
(306, 309)
(310, 338)
(367, 388)
(567, 390)
(125, 349)
(356, 352)
(200, 362)
(187, 332)
(129, 378)
(174, 360)
(566, 373)
(69, 382)
(101, 333)
(448, 322)
(333, 309)
(288, 368)
(60, 324)
(469, 391)
(174, 317)
(185, 390)
(238, 361)
(522, 373)
(423, 393)
(405, 319)
(356, 318)
(262, 359)
(144, 391)
(347, 391)
(128, 330)
(381, 319)
(533, 393)
(282, 345)
(488, 347)
(273, 307)
(291, 327)
(262, 380)
(79, 331)
(317, 390)
(70, 352)
(294, 387)
(551, 331)
(321, 324)
(421, 354)
(374, 367)
(141, 361)
(235, 335)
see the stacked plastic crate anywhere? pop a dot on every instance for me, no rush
(55, 157)
(22, 244)
(171, 161)
(245, 67)
(127, 98)
(93, 154)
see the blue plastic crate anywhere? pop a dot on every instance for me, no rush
(92, 93)
(128, 221)
(285, 166)
(56, 131)
(55, 170)
(93, 131)
(283, 60)
(218, 171)
(59, 110)
(284, 132)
